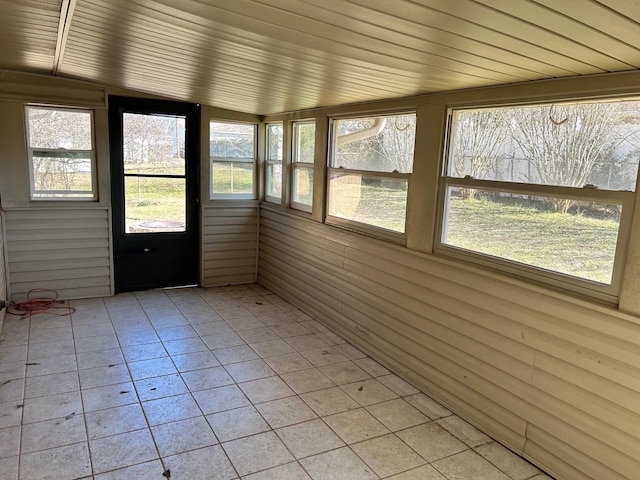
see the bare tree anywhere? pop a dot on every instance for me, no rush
(481, 139)
(63, 133)
(379, 143)
(565, 142)
(397, 142)
(150, 139)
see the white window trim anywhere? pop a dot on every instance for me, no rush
(605, 292)
(88, 195)
(273, 162)
(252, 160)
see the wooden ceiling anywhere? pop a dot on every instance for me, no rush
(271, 56)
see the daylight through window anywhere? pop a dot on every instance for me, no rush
(544, 189)
(370, 166)
(233, 158)
(61, 154)
(304, 142)
(273, 161)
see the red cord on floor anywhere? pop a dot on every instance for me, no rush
(41, 304)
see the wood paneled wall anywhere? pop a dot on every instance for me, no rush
(229, 245)
(555, 379)
(63, 249)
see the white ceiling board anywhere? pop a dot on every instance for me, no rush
(28, 32)
(270, 56)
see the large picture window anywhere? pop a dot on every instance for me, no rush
(233, 157)
(370, 165)
(61, 154)
(304, 142)
(543, 190)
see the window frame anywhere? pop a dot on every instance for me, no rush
(89, 196)
(230, 160)
(272, 162)
(608, 293)
(355, 225)
(295, 164)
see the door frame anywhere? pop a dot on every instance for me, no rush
(117, 105)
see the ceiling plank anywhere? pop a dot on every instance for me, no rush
(66, 14)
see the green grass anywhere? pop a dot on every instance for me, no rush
(572, 243)
(578, 243)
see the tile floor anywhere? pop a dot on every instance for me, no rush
(222, 383)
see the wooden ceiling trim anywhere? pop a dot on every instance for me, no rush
(66, 14)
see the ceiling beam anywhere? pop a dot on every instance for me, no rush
(66, 13)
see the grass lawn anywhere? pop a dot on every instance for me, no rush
(571, 243)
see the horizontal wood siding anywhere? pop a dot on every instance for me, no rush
(556, 380)
(229, 245)
(67, 250)
(3, 270)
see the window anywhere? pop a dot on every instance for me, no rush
(304, 142)
(370, 166)
(61, 154)
(543, 190)
(273, 163)
(233, 158)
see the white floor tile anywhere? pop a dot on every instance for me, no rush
(219, 383)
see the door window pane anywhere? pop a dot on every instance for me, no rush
(155, 204)
(153, 144)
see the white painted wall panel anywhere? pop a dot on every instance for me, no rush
(229, 245)
(554, 378)
(64, 249)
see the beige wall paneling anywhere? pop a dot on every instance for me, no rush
(553, 376)
(229, 245)
(229, 228)
(3, 268)
(65, 245)
(507, 358)
(63, 249)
